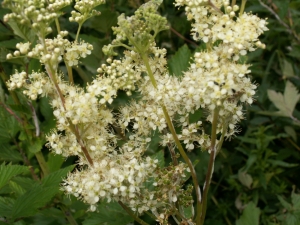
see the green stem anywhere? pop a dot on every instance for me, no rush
(210, 164)
(129, 211)
(57, 25)
(178, 144)
(42, 162)
(73, 127)
(68, 214)
(39, 156)
(70, 74)
(78, 32)
(233, 3)
(243, 7)
(220, 143)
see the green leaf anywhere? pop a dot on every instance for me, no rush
(287, 69)
(250, 215)
(55, 162)
(188, 211)
(245, 179)
(161, 158)
(291, 96)
(9, 153)
(9, 171)
(284, 203)
(109, 214)
(50, 216)
(27, 204)
(55, 178)
(34, 65)
(49, 123)
(24, 182)
(22, 31)
(296, 201)
(179, 63)
(105, 21)
(9, 126)
(282, 163)
(291, 132)
(285, 103)
(9, 43)
(16, 188)
(278, 100)
(6, 206)
(36, 146)
(292, 219)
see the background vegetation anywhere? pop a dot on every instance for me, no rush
(256, 178)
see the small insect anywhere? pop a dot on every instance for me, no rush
(197, 34)
(28, 81)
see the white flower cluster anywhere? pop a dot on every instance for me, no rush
(238, 34)
(38, 14)
(85, 9)
(16, 80)
(51, 50)
(77, 50)
(118, 179)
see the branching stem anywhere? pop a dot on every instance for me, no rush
(210, 164)
(129, 211)
(178, 144)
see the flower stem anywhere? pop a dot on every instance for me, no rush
(178, 144)
(129, 211)
(73, 127)
(39, 155)
(210, 164)
(70, 74)
(57, 25)
(78, 32)
(42, 162)
(243, 7)
(68, 214)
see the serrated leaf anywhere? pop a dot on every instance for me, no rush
(9, 126)
(284, 203)
(109, 213)
(9, 43)
(287, 69)
(188, 211)
(9, 153)
(291, 132)
(179, 63)
(25, 182)
(36, 145)
(55, 178)
(250, 215)
(278, 100)
(245, 179)
(6, 206)
(291, 96)
(22, 31)
(9, 171)
(105, 21)
(16, 188)
(296, 201)
(27, 204)
(292, 219)
(285, 103)
(49, 216)
(55, 162)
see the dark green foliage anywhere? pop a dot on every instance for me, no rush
(255, 173)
